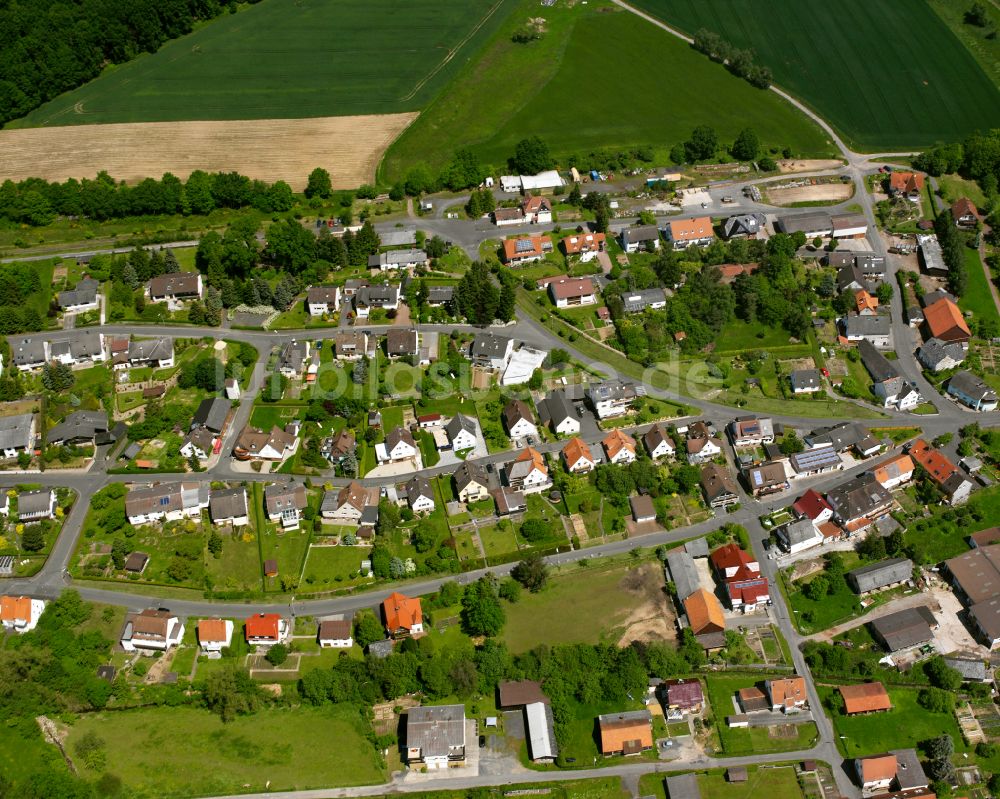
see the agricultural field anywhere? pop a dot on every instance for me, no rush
(275, 60)
(874, 91)
(515, 90)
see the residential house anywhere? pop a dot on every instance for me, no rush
(175, 287)
(740, 574)
(851, 278)
(17, 434)
(276, 445)
(943, 320)
(586, 245)
(525, 249)
(887, 383)
(151, 629)
(965, 213)
(335, 634)
(435, 736)
(874, 329)
(229, 506)
(491, 351)
(462, 432)
(440, 296)
(284, 503)
(420, 495)
(682, 233)
(811, 505)
(859, 502)
(155, 352)
(211, 414)
(842, 437)
(398, 446)
(866, 697)
(658, 442)
(798, 536)
(502, 217)
(704, 613)
(166, 502)
(640, 237)
(536, 210)
(972, 391)
(898, 770)
(577, 456)
(350, 345)
(751, 431)
(558, 412)
(292, 359)
(941, 471)
(639, 301)
(471, 482)
(519, 420)
(81, 298)
(718, 486)
(403, 615)
(613, 398)
(619, 447)
(567, 292)
(33, 506)
(865, 304)
(214, 635)
(266, 629)
(787, 694)
(684, 696)
(85, 348)
(20, 614)
(643, 509)
(702, 446)
(625, 733)
(29, 354)
(906, 184)
(508, 501)
(768, 478)
(348, 504)
(80, 427)
(402, 342)
(398, 259)
(940, 356)
(881, 575)
(528, 472)
(339, 448)
(806, 381)
(322, 300)
(379, 296)
(894, 472)
(748, 225)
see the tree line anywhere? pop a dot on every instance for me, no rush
(51, 46)
(742, 63)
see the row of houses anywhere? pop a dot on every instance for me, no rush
(87, 347)
(171, 287)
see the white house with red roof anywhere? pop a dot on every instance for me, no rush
(812, 506)
(741, 575)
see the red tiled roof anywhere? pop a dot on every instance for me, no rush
(868, 697)
(263, 625)
(401, 612)
(906, 181)
(811, 504)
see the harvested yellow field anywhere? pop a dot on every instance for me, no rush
(269, 149)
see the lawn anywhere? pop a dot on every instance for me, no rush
(272, 749)
(275, 60)
(904, 726)
(755, 740)
(775, 782)
(942, 95)
(954, 187)
(238, 566)
(266, 416)
(514, 90)
(977, 297)
(325, 565)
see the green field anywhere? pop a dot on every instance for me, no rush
(289, 60)
(885, 73)
(597, 79)
(148, 750)
(977, 297)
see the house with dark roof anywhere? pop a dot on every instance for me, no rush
(79, 427)
(964, 212)
(491, 351)
(212, 414)
(175, 286)
(558, 412)
(939, 356)
(768, 478)
(972, 391)
(229, 506)
(904, 629)
(874, 329)
(718, 487)
(640, 237)
(81, 298)
(748, 225)
(284, 503)
(881, 575)
(806, 381)
(638, 301)
(859, 502)
(518, 420)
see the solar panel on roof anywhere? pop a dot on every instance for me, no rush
(524, 245)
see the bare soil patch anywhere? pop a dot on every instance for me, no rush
(651, 618)
(348, 147)
(820, 192)
(809, 165)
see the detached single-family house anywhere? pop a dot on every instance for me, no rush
(81, 298)
(175, 287)
(751, 431)
(613, 398)
(768, 478)
(266, 629)
(402, 342)
(350, 345)
(33, 506)
(619, 447)
(28, 353)
(658, 443)
(368, 298)
(214, 635)
(718, 486)
(276, 445)
(906, 184)
(806, 381)
(740, 574)
(798, 536)
(640, 237)
(972, 391)
(503, 217)
(965, 213)
(701, 445)
(519, 420)
(898, 770)
(586, 245)
(397, 259)
(577, 456)
(682, 233)
(322, 300)
(639, 301)
(471, 482)
(858, 503)
(943, 320)
(398, 446)
(403, 615)
(894, 472)
(567, 292)
(293, 358)
(945, 474)
(461, 432)
(348, 504)
(20, 614)
(875, 329)
(939, 356)
(528, 472)
(748, 225)
(626, 733)
(420, 495)
(491, 351)
(155, 352)
(525, 249)
(211, 414)
(436, 736)
(151, 629)
(536, 210)
(335, 634)
(284, 503)
(812, 506)
(787, 694)
(79, 427)
(229, 506)
(86, 347)
(17, 434)
(558, 412)
(166, 502)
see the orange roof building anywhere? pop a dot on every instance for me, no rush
(869, 697)
(895, 471)
(211, 630)
(906, 182)
(964, 211)
(627, 733)
(877, 770)
(689, 231)
(580, 243)
(524, 249)
(577, 456)
(619, 447)
(787, 693)
(15, 612)
(265, 628)
(704, 613)
(944, 320)
(403, 615)
(933, 461)
(865, 304)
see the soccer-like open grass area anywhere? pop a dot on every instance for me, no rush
(278, 59)
(887, 74)
(599, 77)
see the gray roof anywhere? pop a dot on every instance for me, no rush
(33, 502)
(800, 531)
(155, 349)
(85, 293)
(971, 386)
(397, 257)
(931, 255)
(27, 351)
(78, 425)
(612, 390)
(227, 503)
(842, 436)
(637, 301)
(878, 366)
(807, 223)
(458, 423)
(293, 356)
(867, 326)
(470, 472)
(556, 407)
(905, 628)
(683, 786)
(860, 496)
(986, 614)
(285, 496)
(815, 459)
(378, 295)
(399, 238)
(969, 668)
(805, 378)
(419, 487)
(489, 345)
(749, 224)
(909, 772)
(437, 295)
(870, 263)
(541, 730)
(697, 547)
(935, 351)
(14, 431)
(381, 649)
(436, 729)
(878, 575)
(639, 233)
(683, 574)
(212, 414)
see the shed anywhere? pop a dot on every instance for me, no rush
(736, 774)
(683, 786)
(271, 568)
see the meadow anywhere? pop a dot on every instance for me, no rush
(277, 60)
(598, 78)
(888, 75)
